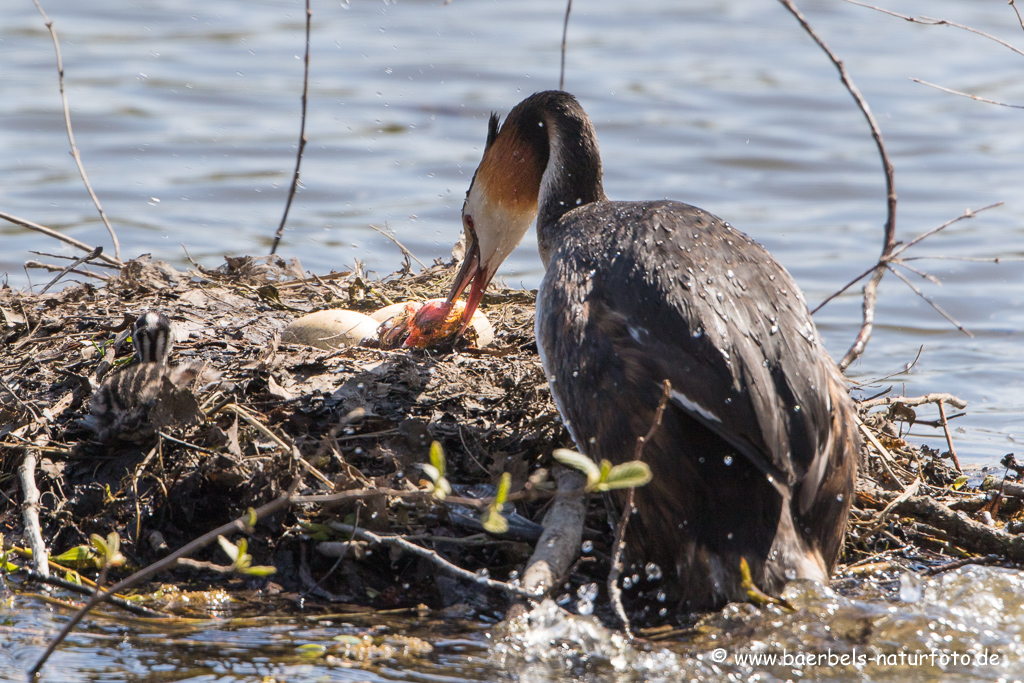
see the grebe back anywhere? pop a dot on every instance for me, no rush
(757, 452)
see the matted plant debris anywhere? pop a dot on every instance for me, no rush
(362, 420)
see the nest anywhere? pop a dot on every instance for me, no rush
(356, 424)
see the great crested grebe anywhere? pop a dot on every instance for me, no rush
(757, 452)
(121, 408)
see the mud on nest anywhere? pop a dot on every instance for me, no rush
(362, 418)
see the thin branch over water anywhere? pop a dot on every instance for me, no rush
(871, 288)
(964, 94)
(71, 135)
(929, 21)
(302, 137)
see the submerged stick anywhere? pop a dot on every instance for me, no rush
(127, 606)
(302, 138)
(454, 570)
(71, 135)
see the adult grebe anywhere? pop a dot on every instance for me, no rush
(122, 407)
(757, 452)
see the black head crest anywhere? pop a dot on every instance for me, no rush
(492, 129)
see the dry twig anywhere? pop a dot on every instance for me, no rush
(627, 511)
(939, 309)
(1017, 12)
(30, 511)
(914, 401)
(93, 254)
(964, 94)
(302, 137)
(49, 232)
(929, 21)
(57, 269)
(889, 242)
(127, 606)
(71, 135)
(949, 437)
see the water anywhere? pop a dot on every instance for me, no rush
(964, 625)
(186, 115)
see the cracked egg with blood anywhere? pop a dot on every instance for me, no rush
(429, 324)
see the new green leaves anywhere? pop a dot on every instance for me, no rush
(605, 477)
(435, 470)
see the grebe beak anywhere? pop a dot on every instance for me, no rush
(471, 274)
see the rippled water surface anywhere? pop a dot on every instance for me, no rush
(187, 116)
(965, 625)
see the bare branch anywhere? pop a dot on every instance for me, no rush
(928, 21)
(71, 135)
(49, 232)
(915, 401)
(73, 587)
(868, 318)
(845, 287)
(972, 259)
(949, 436)
(88, 260)
(49, 267)
(931, 303)
(964, 94)
(627, 511)
(93, 254)
(889, 241)
(559, 544)
(302, 137)
(927, 276)
(1015, 11)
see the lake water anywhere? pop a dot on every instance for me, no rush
(187, 115)
(963, 626)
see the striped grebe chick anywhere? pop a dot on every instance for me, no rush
(757, 452)
(121, 408)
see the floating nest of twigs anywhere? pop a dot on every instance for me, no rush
(361, 421)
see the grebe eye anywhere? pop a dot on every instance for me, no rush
(467, 220)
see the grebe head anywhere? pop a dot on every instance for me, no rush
(544, 157)
(152, 337)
